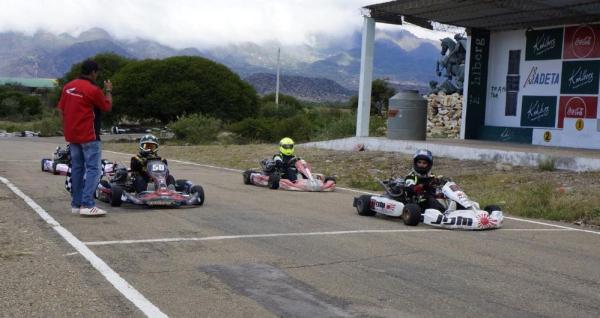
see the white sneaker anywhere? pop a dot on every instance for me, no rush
(94, 211)
(75, 210)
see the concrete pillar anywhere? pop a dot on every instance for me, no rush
(465, 92)
(366, 77)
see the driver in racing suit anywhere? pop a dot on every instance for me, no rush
(285, 158)
(421, 184)
(148, 150)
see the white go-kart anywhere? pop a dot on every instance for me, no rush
(460, 213)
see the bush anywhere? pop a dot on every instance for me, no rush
(48, 126)
(196, 128)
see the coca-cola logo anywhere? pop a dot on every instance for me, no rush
(583, 42)
(575, 108)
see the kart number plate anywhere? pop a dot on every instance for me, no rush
(158, 167)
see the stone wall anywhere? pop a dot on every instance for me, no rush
(443, 115)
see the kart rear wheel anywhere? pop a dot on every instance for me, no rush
(198, 189)
(411, 215)
(363, 206)
(115, 195)
(246, 176)
(490, 208)
(181, 185)
(54, 171)
(274, 182)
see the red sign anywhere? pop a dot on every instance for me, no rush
(577, 107)
(582, 42)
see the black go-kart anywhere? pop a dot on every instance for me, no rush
(162, 191)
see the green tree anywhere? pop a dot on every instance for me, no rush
(166, 89)
(381, 92)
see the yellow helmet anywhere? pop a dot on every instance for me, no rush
(286, 146)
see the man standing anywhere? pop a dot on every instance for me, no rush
(81, 105)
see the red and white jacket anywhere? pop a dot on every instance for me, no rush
(80, 103)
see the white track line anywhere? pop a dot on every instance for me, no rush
(232, 237)
(117, 281)
(369, 193)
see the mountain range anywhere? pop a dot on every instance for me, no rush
(400, 57)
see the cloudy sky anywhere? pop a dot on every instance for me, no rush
(195, 23)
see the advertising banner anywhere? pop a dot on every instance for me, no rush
(544, 44)
(538, 111)
(576, 107)
(541, 78)
(582, 42)
(580, 77)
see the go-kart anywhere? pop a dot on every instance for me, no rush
(460, 212)
(162, 191)
(270, 176)
(59, 164)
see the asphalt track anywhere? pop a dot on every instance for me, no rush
(254, 252)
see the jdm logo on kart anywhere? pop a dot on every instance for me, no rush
(459, 220)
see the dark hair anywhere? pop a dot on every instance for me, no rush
(88, 66)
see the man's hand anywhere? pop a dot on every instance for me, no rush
(108, 86)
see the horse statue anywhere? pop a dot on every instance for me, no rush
(451, 65)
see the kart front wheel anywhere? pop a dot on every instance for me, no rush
(246, 176)
(274, 182)
(411, 215)
(329, 178)
(198, 189)
(115, 195)
(363, 206)
(490, 208)
(44, 163)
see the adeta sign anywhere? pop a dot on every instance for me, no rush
(541, 78)
(576, 107)
(582, 42)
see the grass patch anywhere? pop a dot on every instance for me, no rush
(527, 192)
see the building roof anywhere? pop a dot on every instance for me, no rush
(493, 15)
(29, 82)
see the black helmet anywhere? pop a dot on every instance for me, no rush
(148, 145)
(62, 155)
(423, 154)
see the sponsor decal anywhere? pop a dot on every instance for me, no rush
(580, 77)
(544, 44)
(458, 220)
(538, 111)
(576, 107)
(541, 78)
(582, 42)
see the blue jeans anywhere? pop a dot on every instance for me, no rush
(85, 173)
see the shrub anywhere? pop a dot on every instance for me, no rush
(196, 128)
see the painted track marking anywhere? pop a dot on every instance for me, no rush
(111, 276)
(250, 236)
(369, 193)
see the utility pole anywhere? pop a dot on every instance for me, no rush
(277, 80)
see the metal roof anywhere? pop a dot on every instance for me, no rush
(493, 15)
(29, 82)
